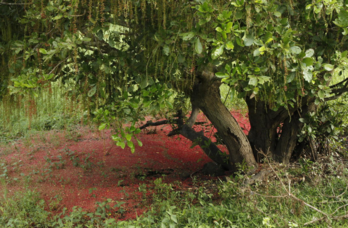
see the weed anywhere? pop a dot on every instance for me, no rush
(104, 174)
(87, 164)
(101, 164)
(24, 209)
(55, 203)
(72, 134)
(119, 183)
(125, 193)
(3, 167)
(305, 165)
(91, 191)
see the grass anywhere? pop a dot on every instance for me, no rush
(313, 197)
(53, 110)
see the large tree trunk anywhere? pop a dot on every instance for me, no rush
(263, 129)
(288, 138)
(206, 96)
(275, 132)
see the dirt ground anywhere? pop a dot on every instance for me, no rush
(79, 167)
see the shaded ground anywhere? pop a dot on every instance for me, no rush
(79, 167)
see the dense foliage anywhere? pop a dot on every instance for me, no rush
(122, 56)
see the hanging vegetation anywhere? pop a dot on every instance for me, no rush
(123, 55)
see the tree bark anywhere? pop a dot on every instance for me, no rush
(209, 148)
(206, 96)
(291, 127)
(288, 139)
(275, 132)
(264, 127)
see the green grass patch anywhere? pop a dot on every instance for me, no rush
(295, 197)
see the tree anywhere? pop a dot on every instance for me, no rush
(280, 56)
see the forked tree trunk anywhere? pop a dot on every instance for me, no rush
(288, 139)
(275, 133)
(291, 128)
(206, 96)
(263, 129)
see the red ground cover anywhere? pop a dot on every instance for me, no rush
(79, 170)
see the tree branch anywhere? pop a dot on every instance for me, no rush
(195, 111)
(198, 138)
(209, 148)
(337, 84)
(333, 97)
(55, 67)
(338, 93)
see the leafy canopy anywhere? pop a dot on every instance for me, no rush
(126, 55)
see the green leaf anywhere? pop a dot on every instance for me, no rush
(229, 27)
(307, 75)
(238, 3)
(92, 91)
(49, 76)
(248, 40)
(102, 126)
(64, 53)
(342, 19)
(123, 134)
(309, 53)
(295, 50)
(173, 218)
(217, 52)
(86, 39)
(228, 68)
(263, 79)
(229, 45)
(166, 50)
(218, 29)
(187, 36)
(131, 146)
(290, 77)
(308, 61)
(198, 46)
(239, 41)
(128, 137)
(262, 50)
(328, 67)
(221, 75)
(321, 94)
(277, 14)
(225, 15)
(115, 138)
(139, 143)
(121, 144)
(205, 8)
(253, 81)
(317, 101)
(137, 131)
(59, 16)
(43, 51)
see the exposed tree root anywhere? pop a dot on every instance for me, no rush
(262, 175)
(197, 138)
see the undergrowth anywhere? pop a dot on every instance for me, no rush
(294, 196)
(52, 110)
